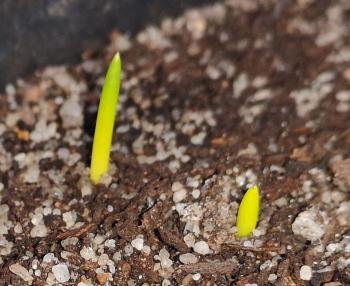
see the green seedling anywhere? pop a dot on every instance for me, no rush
(248, 213)
(105, 121)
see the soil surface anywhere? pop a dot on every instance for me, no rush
(237, 93)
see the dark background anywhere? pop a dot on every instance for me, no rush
(34, 33)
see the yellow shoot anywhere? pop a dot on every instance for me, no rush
(248, 213)
(105, 121)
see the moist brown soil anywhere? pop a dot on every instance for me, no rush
(223, 97)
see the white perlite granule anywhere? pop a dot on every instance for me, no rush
(32, 174)
(39, 231)
(43, 131)
(86, 190)
(272, 277)
(137, 243)
(128, 250)
(18, 228)
(69, 241)
(188, 258)
(61, 272)
(49, 257)
(110, 243)
(88, 253)
(305, 273)
(240, 84)
(198, 139)
(71, 112)
(196, 193)
(164, 258)
(165, 282)
(308, 99)
(189, 239)
(343, 213)
(103, 259)
(310, 224)
(69, 218)
(179, 196)
(176, 186)
(201, 247)
(117, 256)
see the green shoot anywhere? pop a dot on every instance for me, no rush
(105, 121)
(248, 213)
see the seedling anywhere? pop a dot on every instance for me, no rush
(248, 213)
(105, 121)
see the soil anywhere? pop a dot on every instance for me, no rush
(237, 93)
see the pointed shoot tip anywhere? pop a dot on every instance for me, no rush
(248, 213)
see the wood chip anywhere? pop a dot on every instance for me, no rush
(77, 232)
(211, 267)
(102, 278)
(20, 271)
(22, 134)
(341, 170)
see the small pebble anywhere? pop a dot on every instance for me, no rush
(88, 253)
(71, 113)
(196, 193)
(176, 186)
(138, 243)
(166, 282)
(164, 258)
(38, 231)
(310, 224)
(179, 196)
(86, 190)
(272, 277)
(190, 240)
(18, 228)
(128, 249)
(110, 243)
(188, 258)
(20, 271)
(196, 276)
(305, 273)
(37, 273)
(201, 247)
(198, 139)
(69, 218)
(117, 256)
(103, 259)
(61, 272)
(69, 241)
(32, 174)
(49, 257)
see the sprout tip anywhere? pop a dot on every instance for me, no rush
(248, 213)
(105, 121)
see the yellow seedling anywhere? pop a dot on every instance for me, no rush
(248, 213)
(105, 121)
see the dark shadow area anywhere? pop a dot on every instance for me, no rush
(90, 115)
(37, 33)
